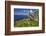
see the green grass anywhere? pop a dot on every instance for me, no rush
(26, 23)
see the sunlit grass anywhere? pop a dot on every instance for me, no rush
(26, 23)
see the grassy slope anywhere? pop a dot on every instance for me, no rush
(28, 23)
(25, 23)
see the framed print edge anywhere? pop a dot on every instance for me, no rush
(8, 18)
(25, 28)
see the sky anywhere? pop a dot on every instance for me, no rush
(21, 11)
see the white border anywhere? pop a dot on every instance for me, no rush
(25, 28)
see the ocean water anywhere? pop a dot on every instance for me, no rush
(19, 17)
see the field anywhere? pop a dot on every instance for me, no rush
(26, 23)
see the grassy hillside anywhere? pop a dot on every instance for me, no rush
(26, 23)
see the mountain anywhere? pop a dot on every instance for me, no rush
(33, 16)
(36, 17)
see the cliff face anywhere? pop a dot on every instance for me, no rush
(36, 15)
(30, 14)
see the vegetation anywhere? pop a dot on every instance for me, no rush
(26, 23)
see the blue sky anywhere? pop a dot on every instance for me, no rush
(21, 11)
